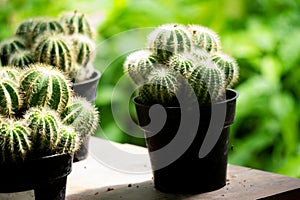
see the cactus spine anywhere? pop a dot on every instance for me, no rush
(42, 85)
(169, 39)
(14, 140)
(81, 115)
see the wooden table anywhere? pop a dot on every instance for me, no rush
(97, 177)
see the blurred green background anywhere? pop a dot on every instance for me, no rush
(263, 35)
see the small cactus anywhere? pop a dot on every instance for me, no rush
(162, 87)
(47, 27)
(82, 115)
(56, 51)
(76, 23)
(44, 124)
(9, 47)
(205, 38)
(21, 59)
(15, 141)
(25, 30)
(208, 83)
(10, 98)
(139, 64)
(43, 85)
(170, 39)
(229, 66)
(68, 142)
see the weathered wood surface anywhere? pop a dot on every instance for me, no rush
(94, 179)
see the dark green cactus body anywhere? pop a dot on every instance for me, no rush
(77, 23)
(81, 115)
(229, 66)
(56, 51)
(46, 26)
(162, 87)
(207, 81)
(42, 85)
(68, 142)
(139, 65)
(205, 38)
(14, 141)
(21, 59)
(9, 47)
(44, 125)
(170, 39)
(9, 97)
(25, 30)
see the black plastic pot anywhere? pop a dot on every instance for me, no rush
(88, 90)
(189, 173)
(47, 176)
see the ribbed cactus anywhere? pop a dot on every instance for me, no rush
(229, 66)
(46, 27)
(69, 141)
(43, 85)
(76, 23)
(182, 55)
(170, 39)
(25, 30)
(162, 87)
(82, 115)
(10, 72)
(15, 141)
(10, 100)
(205, 38)
(139, 65)
(9, 47)
(56, 50)
(21, 59)
(44, 124)
(208, 82)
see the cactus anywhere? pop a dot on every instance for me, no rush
(162, 87)
(205, 38)
(25, 30)
(56, 51)
(76, 23)
(44, 124)
(43, 85)
(10, 72)
(229, 66)
(15, 143)
(208, 83)
(139, 64)
(82, 115)
(68, 142)
(21, 59)
(9, 47)
(46, 27)
(170, 39)
(10, 98)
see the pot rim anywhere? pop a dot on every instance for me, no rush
(234, 93)
(92, 79)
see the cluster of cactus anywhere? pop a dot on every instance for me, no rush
(39, 115)
(178, 56)
(67, 42)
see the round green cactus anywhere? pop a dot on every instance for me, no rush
(15, 143)
(205, 38)
(138, 65)
(10, 98)
(229, 66)
(68, 142)
(46, 27)
(44, 124)
(76, 23)
(9, 47)
(82, 115)
(21, 59)
(56, 51)
(162, 87)
(208, 82)
(25, 30)
(170, 39)
(43, 85)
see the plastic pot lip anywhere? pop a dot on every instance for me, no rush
(234, 93)
(95, 76)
